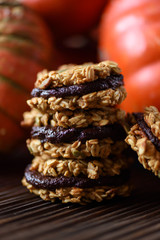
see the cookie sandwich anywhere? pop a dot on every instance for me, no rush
(77, 134)
(144, 138)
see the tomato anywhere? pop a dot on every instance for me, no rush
(68, 16)
(129, 35)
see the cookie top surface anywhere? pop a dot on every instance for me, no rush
(68, 75)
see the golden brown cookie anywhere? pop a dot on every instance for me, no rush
(76, 74)
(92, 167)
(34, 183)
(144, 138)
(79, 87)
(101, 99)
(77, 149)
(77, 118)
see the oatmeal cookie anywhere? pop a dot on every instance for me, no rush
(144, 138)
(91, 148)
(77, 118)
(76, 74)
(101, 99)
(74, 189)
(92, 167)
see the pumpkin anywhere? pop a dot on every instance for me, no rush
(130, 35)
(68, 17)
(25, 49)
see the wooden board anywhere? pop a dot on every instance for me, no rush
(25, 216)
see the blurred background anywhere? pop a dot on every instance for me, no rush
(40, 34)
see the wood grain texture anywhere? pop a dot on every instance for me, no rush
(25, 216)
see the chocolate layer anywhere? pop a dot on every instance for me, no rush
(40, 181)
(143, 125)
(112, 81)
(60, 134)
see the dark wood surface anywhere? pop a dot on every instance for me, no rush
(25, 216)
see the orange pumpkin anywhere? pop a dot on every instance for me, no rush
(25, 49)
(68, 16)
(129, 34)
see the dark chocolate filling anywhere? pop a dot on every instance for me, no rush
(143, 125)
(60, 134)
(40, 181)
(112, 81)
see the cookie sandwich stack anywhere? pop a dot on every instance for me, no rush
(77, 135)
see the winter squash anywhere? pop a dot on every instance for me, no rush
(25, 49)
(129, 34)
(68, 17)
